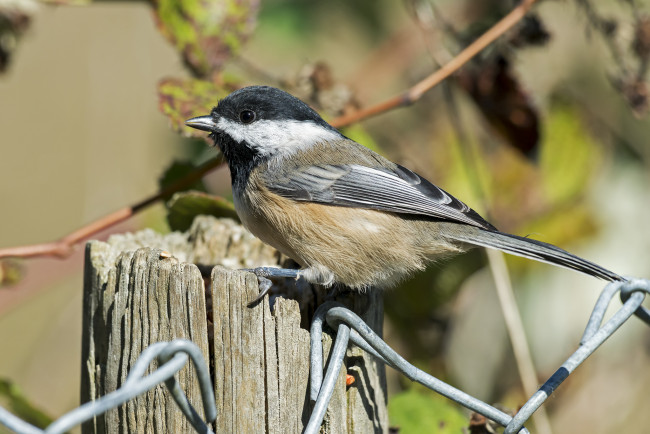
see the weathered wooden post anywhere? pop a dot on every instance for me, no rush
(259, 356)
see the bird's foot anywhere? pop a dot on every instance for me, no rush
(263, 274)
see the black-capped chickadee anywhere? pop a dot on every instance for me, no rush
(343, 212)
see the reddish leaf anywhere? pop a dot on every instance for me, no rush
(206, 32)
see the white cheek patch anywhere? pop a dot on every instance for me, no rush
(277, 136)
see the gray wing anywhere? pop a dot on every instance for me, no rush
(398, 190)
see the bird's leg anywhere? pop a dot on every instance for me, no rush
(263, 273)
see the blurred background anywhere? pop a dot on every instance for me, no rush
(545, 133)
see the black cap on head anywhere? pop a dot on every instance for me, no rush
(268, 103)
(256, 123)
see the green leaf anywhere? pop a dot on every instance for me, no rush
(416, 411)
(181, 99)
(13, 399)
(10, 272)
(178, 170)
(206, 32)
(183, 207)
(570, 156)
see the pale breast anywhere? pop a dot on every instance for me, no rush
(361, 247)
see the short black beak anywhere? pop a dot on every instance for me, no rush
(205, 123)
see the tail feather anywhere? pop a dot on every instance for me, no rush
(531, 249)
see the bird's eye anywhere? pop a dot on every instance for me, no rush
(247, 116)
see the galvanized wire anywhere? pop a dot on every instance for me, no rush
(327, 386)
(632, 293)
(16, 424)
(172, 357)
(336, 316)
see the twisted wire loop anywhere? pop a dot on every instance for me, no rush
(172, 357)
(632, 294)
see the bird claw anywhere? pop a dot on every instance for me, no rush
(264, 285)
(263, 273)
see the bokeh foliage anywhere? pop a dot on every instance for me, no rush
(526, 161)
(206, 32)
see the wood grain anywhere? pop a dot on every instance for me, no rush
(259, 356)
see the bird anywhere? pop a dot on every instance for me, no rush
(344, 213)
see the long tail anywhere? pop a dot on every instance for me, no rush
(528, 248)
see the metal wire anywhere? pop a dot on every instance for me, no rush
(336, 316)
(172, 356)
(16, 424)
(632, 293)
(591, 340)
(327, 387)
(205, 384)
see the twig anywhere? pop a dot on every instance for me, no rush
(415, 93)
(64, 247)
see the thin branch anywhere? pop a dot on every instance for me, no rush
(415, 93)
(64, 247)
